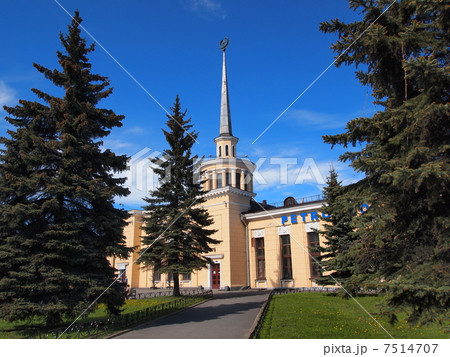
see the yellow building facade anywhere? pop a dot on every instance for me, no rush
(262, 246)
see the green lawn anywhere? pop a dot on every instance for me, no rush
(133, 306)
(20, 329)
(318, 315)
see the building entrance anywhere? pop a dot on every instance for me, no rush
(215, 276)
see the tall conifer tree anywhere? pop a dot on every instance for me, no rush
(403, 240)
(176, 235)
(338, 213)
(57, 218)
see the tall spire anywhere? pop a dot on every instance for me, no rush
(225, 117)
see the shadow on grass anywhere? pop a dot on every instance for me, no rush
(100, 324)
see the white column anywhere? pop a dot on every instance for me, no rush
(224, 177)
(206, 185)
(243, 172)
(214, 179)
(250, 182)
(233, 177)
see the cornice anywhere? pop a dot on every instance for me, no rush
(226, 137)
(228, 161)
(283, 211)
(227, 190)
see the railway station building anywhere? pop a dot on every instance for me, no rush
(262, 246)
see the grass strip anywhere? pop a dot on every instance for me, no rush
(319, 315)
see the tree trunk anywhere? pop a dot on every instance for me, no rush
(176, 284)
(52, 319)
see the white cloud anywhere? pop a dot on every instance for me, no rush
(140, 180)
(135, 200)
(285, 172)
(116, 144)
(207, 8)
(272, 177)
(136, 130)
(7, 95)
(346, 174)
(318, 119)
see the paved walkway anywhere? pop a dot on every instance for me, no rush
(229, 315)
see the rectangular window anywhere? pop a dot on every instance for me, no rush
(313, 241)
(219, 180)
(123, 276)
(157, 272)
(286, 259)
(238, 180)
(260, 259)
(186, 276)
(228, 178)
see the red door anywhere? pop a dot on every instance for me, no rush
(215, 276)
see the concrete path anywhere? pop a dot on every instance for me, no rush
(230, 314)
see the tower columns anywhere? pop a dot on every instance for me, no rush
(207, 184)
(243, 174)
(233, 177)
(224, 177)
(214, 179)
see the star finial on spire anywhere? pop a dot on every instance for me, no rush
(224, 43)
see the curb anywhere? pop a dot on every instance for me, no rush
(258, 317)
(155, 320)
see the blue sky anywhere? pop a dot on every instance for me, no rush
(171, 47)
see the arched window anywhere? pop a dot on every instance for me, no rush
(290, 201)
(226, 150)
(220, 151)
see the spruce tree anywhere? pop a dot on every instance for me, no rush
(335, 258)
(58, 223)
(403, 240)
(175, 225)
